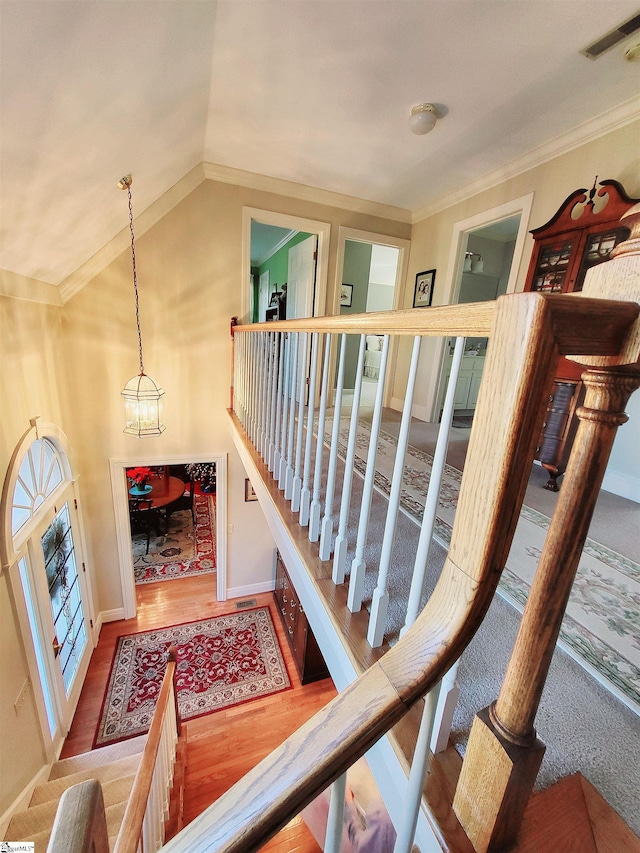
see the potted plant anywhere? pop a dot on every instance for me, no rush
(139, 480)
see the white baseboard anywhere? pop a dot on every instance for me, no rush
(250, 589)
(21, 802)
(109, 616)
(624, 485)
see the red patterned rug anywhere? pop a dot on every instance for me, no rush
(186, 548)
(223, 661)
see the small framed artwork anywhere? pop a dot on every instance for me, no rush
(423, 293)
(346, 295)
(249, 494)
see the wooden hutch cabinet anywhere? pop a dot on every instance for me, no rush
(304, 646)
(581, 235)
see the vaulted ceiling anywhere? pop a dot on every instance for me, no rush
(312, 91)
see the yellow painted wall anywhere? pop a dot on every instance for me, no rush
(30, 347)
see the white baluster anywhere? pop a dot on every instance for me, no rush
(380, 603)
(340, 547)
(305, 495)
(433, 491)
(297, 480)
(447, 701)
(417, 776)
(327, 521)
(295, 344)
(335, 818)
(264, 393)
(314, 512)
(358, 565)
(274, 460)
(267, 394)
(254, 387)
(282, 468)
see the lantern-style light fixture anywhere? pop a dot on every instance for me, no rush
(142, 396)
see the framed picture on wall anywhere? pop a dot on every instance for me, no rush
(249, 494)
(423, 293)
(346, 295)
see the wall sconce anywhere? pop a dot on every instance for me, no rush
(142, 395)
(423, 118)
(473, 262)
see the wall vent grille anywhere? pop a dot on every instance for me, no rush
(604, 43)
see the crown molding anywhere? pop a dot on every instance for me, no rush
(607, 122)
(328, 198)
(18, 286)
(144, 221)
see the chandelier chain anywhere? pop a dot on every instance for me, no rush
(135, 277)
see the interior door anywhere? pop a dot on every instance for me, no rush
(301, 278)
(60, 590)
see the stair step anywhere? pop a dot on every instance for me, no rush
(41, 834)
(38, 818)
(97, 757)
(104, 773)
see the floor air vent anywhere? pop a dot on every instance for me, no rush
(242, 605)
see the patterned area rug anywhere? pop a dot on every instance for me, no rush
(223, 661)
(601, 628)
(184, 550)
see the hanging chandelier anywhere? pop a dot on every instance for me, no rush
(142, 396)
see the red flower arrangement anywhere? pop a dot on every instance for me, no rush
(139, 476)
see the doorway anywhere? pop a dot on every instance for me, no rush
(371, 269)
(45, 555)
(120, 486)
(285, 261)
(172, 518)
(485, 256)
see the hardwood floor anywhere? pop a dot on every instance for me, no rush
(221, 747)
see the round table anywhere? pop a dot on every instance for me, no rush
(163, 492)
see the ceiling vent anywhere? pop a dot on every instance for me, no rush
(604, 43)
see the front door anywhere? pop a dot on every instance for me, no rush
(59, 586)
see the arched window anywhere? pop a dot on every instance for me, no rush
(40, 472)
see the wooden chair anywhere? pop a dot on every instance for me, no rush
(144, 518)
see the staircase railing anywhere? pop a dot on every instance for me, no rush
(274, 414)
(80, 819)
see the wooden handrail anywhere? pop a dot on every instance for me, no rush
(529, 332)
(131, 828)
(599, 322)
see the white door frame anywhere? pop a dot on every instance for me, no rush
(117, 468)
(453, 276)
(13, 549)
(295, 223)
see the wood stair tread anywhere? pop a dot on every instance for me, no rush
(97, 757)
(105, 773)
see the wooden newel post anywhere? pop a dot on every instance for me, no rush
(504, 755)
(232, 324)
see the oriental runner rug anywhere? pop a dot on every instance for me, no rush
(186, 548)
(221, 662)
(601, 628)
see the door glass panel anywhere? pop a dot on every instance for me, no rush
(64, 594)
(37, 644)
